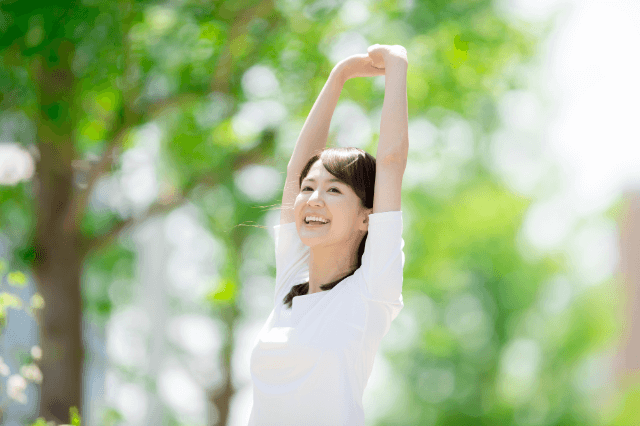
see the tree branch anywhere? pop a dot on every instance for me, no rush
(207, 181)
(239, 26)
(96, 243)
(81, 200)
(129, 119)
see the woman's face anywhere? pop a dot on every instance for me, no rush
(331, 200)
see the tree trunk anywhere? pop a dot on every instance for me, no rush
(220, 396)
(58, 281)
(58, 258)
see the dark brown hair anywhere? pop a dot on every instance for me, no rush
(355, 168)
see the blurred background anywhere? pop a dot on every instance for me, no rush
(143, 150)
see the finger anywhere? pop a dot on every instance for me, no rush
(377, 70)
(377, 66)
(377, 60)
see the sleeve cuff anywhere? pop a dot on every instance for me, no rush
(385, 216)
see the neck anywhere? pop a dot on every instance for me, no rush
(330, 263)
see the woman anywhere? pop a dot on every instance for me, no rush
(339, 260)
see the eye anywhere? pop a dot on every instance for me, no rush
(308, 187)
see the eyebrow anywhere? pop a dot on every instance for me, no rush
(330, 180)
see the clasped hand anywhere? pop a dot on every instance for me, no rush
(372, 63)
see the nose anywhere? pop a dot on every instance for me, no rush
(314, 199)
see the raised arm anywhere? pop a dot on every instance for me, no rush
(314, 133)
(393, 146)
(394, 126)
(313, 137)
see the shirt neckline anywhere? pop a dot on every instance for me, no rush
(313, 294)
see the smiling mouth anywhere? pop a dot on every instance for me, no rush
(314, 223)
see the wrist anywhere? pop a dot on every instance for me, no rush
(395, 54)
(394, 61)
(339, 74)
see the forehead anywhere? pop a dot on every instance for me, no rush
(317, 172)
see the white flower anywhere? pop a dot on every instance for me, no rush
(4, 369)
(31, 372)
(36, 352)
(16, 384)
(16, 164)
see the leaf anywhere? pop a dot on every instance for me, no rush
(111, 417)
(75, 416)
(17, 279)
(460, 44)
(39, 422)
(224, 292)
(439, 342)
(3, 266)
(10, 300)
(37, 301)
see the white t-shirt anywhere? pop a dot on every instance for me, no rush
(311, 363)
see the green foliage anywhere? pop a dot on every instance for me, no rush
(111, 417)
(627, 409)
(98, 221)
(16, 212)
(224, 293)
(74, 416)
(8, 300)
(100, 105)
(17, 279)
(107, 280)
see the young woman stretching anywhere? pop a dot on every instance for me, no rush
(339, 260)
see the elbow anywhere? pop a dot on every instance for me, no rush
(398, 157)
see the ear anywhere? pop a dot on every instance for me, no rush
(365, 223)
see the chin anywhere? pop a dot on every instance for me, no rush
(310, 239)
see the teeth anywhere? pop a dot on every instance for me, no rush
(308, 218)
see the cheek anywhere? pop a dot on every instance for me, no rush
(299, 204)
